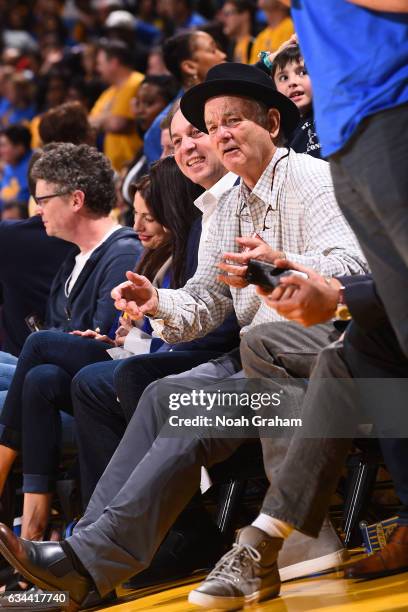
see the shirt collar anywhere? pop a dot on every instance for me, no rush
(208, 200)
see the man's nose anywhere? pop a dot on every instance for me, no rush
(223, 133)
(187, 144)
(222, 55)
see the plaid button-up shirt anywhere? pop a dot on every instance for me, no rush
(293, 208)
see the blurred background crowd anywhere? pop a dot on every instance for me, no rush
(114, 63)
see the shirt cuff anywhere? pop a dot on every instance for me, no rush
(158, 326)
(165, 306)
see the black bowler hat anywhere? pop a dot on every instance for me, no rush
(233, 78)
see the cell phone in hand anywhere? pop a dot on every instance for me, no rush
(266, 275)
(34, 323)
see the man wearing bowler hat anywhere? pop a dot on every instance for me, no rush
(288, 200)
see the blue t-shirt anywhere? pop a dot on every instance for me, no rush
(194, 21)
(20, 115)
(147, 33)
(4, 106)
(358, 62)
(14, 184)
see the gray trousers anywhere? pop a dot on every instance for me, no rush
(303, 481)
(148, 482)
(296, 348)
(370, 177)
(151, 478)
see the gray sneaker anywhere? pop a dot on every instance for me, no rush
(247, 573)
(302, 555)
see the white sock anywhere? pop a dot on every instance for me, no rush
(272, 526)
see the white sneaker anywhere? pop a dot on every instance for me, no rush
(302, 555)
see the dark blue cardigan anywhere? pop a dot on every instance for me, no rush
(89, 304)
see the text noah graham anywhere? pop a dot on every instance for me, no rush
(224, 421)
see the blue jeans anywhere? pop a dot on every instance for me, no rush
(31, 421)
(8, 365)
(6, 375)
(3, 395)
(8, 358)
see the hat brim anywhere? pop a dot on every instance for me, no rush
(193, 102)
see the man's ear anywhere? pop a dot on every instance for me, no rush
(189, 67)
(79, 200)
(274, 122)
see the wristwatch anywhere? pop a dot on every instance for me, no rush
(342, 311)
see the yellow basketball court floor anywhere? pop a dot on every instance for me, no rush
(328, 593)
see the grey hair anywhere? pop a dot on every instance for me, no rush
(78, 167)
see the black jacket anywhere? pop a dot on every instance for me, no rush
(29, 260)
(363, 301)
(304, 137)
(370, 333)
(89, 304)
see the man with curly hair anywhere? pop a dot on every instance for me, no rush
(75, 193)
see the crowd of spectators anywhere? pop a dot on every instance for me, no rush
(149, 150)
(97, 53)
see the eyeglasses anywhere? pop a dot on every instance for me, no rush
(243, 213)
(39, 199)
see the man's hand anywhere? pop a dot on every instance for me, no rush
(136, 297)
(306, 301)
(253, 248)
(122, 331)
(90, 333)
(97, 121)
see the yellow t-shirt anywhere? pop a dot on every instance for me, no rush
(241, 50)
(119, 148)
(271, 39)
(35, 134)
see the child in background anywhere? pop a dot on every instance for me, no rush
(290, 76)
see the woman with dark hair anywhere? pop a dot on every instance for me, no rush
(168, 196)
(66, 122)
(153, 95)
(188, 57)
(49, 360)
